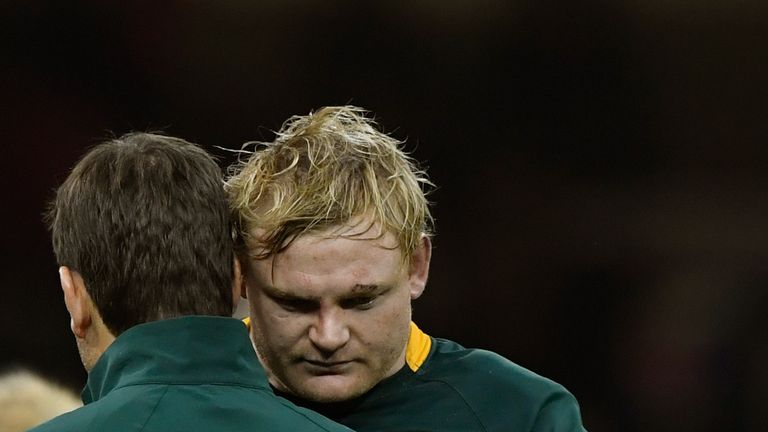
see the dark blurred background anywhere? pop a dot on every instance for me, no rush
(602, 169)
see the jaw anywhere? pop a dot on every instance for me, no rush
(330, 388)
(272, 378)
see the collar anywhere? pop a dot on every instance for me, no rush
(419, 344)
(188, 350)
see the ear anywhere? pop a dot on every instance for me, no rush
(77, 300)
(241, 267)
(238, 282)
(418, 271)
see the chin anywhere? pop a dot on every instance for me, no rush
(327, 391)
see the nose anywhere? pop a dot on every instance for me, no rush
(330, 332)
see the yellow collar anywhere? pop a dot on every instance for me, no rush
(418, 347)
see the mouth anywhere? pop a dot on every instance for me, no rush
(320, 367)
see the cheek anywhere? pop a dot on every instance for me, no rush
(398, 309)
(277, 327)
(387, 329)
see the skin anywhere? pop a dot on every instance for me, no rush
(91, 334)
(330, 315)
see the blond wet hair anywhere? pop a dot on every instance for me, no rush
(330, 168)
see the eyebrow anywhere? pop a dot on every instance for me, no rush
(357, 290)
(364, 289)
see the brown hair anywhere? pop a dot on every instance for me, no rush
(144, 219)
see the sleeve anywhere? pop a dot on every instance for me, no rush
(559, 413)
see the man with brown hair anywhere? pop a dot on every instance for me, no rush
(141, 232)
(334, 236)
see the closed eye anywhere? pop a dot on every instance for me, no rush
(361, 303)
(296, 304)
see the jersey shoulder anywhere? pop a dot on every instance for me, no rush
(500, 391)
(477, 367)
(175, 408)
(124, 410)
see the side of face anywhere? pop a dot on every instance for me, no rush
(330, 315)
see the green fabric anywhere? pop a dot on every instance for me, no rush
(184, 374)
(458, 389)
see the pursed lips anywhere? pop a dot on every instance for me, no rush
(326, 367)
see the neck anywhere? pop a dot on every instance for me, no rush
(97, 339)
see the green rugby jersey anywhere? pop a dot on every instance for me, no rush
(186, 374)
(446, 387)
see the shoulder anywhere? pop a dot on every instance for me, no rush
(184, 407)
(120, 411)
(499, 390)
(248, 406)
(473, 367)
(70, 421)
(84, 419)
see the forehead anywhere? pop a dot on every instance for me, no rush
(336, 258)
(333, 250)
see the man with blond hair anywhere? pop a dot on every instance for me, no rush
(334, 235)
